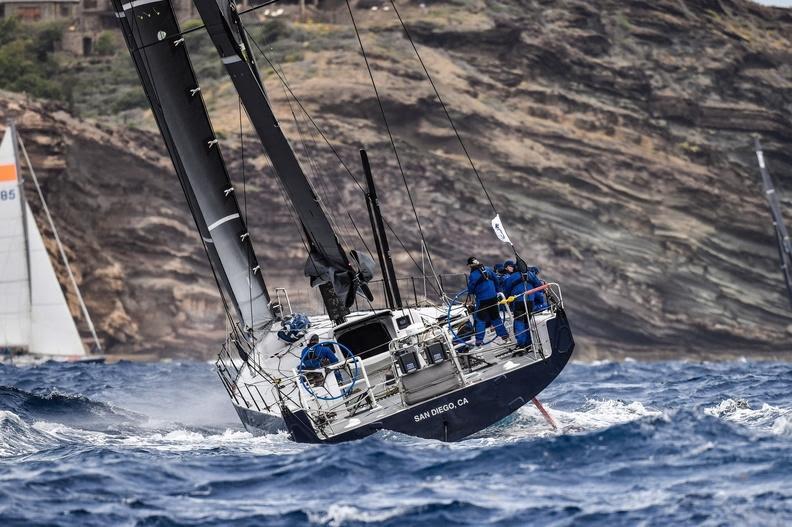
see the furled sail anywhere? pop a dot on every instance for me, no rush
(161, 59)
(328, 263)
(34, 314)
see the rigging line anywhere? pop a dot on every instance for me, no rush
(295, 220)
(317, 173)
(245, 214)
(62, 251)
(360, 235)
(289, 95)
(275, 70)
(325, 199)
(326, 140)
(440, 293)
(445, 108)
(279, 72)
(299, 103)
(289, 208)
(393, 143)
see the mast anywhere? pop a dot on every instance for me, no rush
(328, 265)
(380, 238)
(153, 37)
(782, 236)
(23, 205)
(61, 250)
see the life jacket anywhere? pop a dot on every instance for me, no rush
(484, 286)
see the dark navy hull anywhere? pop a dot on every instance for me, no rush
(455, 415)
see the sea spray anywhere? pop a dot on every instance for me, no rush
(658, 443)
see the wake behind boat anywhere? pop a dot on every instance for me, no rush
(35, 322)
(393, 363)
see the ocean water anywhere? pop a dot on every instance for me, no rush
(666, 443)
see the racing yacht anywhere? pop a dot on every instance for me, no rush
(404, 362)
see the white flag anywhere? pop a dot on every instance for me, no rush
(500, 232)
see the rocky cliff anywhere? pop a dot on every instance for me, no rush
(614, 138)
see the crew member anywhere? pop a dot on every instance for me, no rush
(316, 356)
(500, 272)
(516, 284)
(483, 284)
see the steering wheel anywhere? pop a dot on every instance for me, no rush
(347, 356)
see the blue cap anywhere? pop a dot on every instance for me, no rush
(507, 263)
(499, 267)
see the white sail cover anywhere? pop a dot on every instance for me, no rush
(34, 313)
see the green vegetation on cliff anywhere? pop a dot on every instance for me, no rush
(27, 61)
(106, 84)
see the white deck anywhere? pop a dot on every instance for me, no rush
(275, 362)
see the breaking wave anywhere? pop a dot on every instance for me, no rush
(767, 417)
(63, 407)
(160, 444)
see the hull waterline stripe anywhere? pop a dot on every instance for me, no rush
(138, 3)
(222, 221)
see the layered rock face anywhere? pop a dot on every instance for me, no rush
(613, 137)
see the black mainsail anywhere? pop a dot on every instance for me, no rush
(163, 64)
(328, 265)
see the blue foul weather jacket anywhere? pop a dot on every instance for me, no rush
(312, 358)
(515, 285)
(483, 283)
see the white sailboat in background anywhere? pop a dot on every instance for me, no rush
(35, 321)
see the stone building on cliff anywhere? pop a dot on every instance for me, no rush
(86, 19)
(39, 10)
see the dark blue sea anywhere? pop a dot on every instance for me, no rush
(663, 443)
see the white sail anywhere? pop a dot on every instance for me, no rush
(33, 310)
(15, 294)
(53, 331)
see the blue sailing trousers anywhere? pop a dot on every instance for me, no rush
(487, 313)
(522, 331)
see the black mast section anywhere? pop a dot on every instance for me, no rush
(380, 238)
(328, 265)
(782, 236)
(163, 64)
